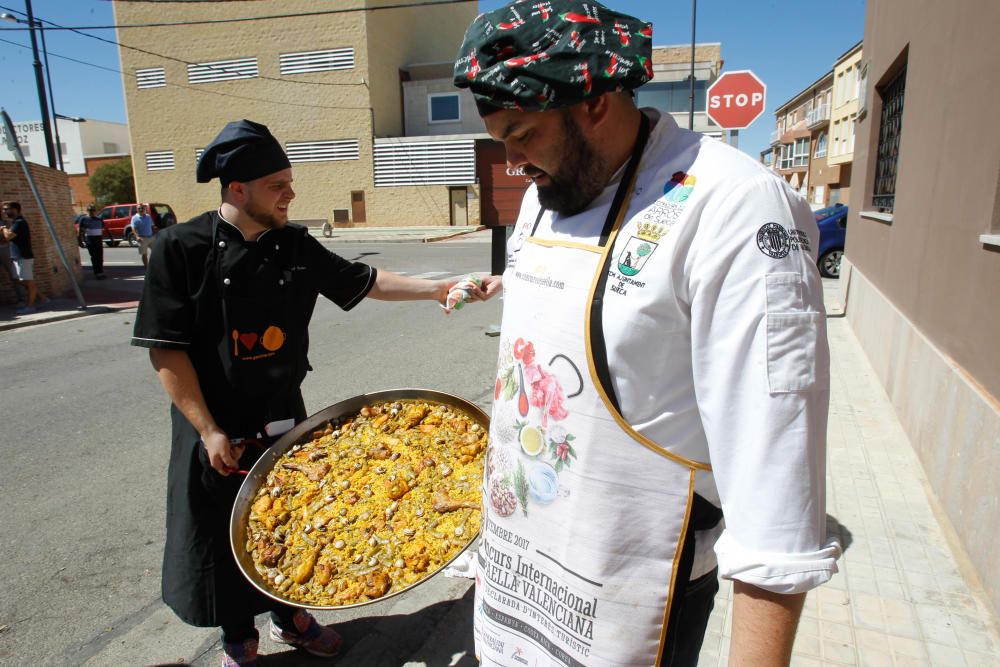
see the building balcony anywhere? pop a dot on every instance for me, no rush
(775, 137)
(818, 117)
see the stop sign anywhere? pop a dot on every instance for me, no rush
(736, 99)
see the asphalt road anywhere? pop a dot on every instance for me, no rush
(84, 448)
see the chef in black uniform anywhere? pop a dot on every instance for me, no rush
(225, 313)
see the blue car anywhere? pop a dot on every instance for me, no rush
(832, 222)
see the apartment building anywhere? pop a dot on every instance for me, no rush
(800, 142)
(921, 272)
(843, 114)
(327, 80)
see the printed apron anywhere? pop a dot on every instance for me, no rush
(585, 518)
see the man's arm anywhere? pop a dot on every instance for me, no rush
(764, 625)
(180, 380)
(394, 287)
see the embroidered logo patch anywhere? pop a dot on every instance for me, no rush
(639, 249)
(773, 240)
(679, 187)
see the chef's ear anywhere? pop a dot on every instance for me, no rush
(236, 192)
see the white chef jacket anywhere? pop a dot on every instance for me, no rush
(716, 341)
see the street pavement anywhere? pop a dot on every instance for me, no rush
(905, 594)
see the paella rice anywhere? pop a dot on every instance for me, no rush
(370, 505)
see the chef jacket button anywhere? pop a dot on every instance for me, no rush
(281, 281)
(222, 244)
(225, 281)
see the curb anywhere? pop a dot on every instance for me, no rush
(62, 316)
(432, 239)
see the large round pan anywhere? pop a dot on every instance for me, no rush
(258, 476)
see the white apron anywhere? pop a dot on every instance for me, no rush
(586, 518)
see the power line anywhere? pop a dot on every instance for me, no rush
(215, 68)
(243, 19)
(193, 88)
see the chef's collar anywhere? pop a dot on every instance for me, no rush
(231, 227)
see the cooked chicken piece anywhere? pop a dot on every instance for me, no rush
(396, 488)
(262, 504)
(381, 453)
(377, 584)
(269, 552)
(304, 571)
(313, 472)
(442, 503)
(415, 556)
(324, 573)
(414, 414)
(459, 425)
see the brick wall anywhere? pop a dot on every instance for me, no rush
(50, 276)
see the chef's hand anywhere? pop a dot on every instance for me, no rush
(491, 285)
(475, 293)
(222, 454)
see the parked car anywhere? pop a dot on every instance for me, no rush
(118, 221)
(832, 222)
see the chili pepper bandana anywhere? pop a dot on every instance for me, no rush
(534, 55)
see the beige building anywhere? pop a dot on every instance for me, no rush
(670, 89)
(328, 85)
(921, 273)
(799, 144)
(843, 113)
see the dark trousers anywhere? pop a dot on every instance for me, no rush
(95, 248)
(692, 621)
(282, 614)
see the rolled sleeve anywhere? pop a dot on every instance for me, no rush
(760, 360)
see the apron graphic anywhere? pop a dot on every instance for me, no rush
(584, 517)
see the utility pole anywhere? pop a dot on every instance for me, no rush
(694, 14)
(40, 84)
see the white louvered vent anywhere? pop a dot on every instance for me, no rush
(223, 70)
(322, 151)
(159, 160)
(151, 77)
(316, 61)
(197, 154)
(425, 163)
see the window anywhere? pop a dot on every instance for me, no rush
(322, 151)
(150, 77)
(850, 133)
(110, 147)
(443, 108)
(820, 145)
(62, 148)
(223, 70)
(159, 160)
(315, 61)
(785, 159)
(425, 163)
(673, 96)
(889, 134)
(801, 156)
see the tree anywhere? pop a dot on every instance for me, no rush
(113, 183)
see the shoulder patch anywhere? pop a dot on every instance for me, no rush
(773, 240)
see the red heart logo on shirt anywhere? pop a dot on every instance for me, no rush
(248, 340)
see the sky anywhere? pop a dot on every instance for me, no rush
(788, 44)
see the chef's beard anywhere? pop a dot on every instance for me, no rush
(580, 177)
(262, 216)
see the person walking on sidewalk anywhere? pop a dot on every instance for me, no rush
(225, 311)
(142, 227)
(8, 267)
(18, 234)
(92, 229)
(663, 363)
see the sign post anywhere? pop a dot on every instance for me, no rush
(736, 100)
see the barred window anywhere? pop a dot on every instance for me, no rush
(223, 70)
(316, 61)
(889, 134)
(150, 77)
(322, 151)
(159, 160)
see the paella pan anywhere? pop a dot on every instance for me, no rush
(363, 500)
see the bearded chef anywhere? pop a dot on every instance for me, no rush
(663, 378)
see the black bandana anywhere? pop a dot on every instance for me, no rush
(534, 55)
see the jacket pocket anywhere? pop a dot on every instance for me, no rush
(791, 351)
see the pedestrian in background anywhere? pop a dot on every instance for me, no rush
(142, 227)
(8, 266)
(92, 230)
(21, 255)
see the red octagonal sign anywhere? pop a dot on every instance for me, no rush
(736, 99)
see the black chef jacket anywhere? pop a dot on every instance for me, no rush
(241, 311)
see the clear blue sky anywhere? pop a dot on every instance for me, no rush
(788, 44)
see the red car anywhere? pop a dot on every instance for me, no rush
(118, 221)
